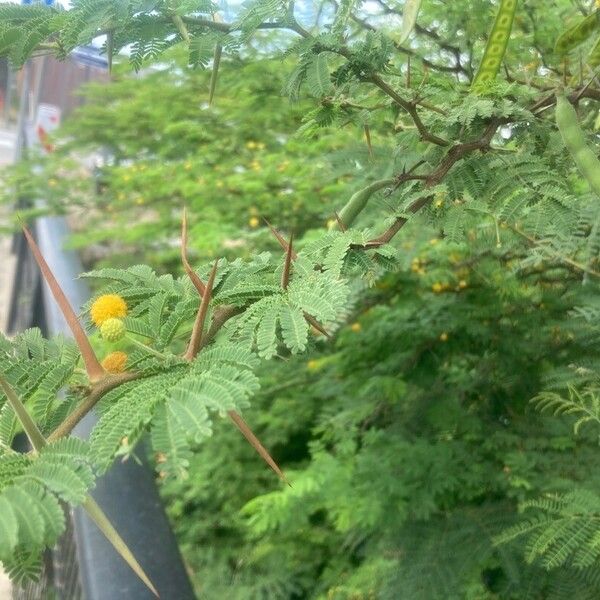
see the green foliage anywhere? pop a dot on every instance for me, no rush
(563, 530)
(31, 489)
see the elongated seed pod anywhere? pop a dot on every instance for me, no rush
(409, 18)
(496, 44)
(359, 200)
(577, 34)
(574, 139)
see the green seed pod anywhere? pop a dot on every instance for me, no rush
(112, 330)
(577, 34)
(574, 139)
(410, 12)
(496, 44)
(359, 200)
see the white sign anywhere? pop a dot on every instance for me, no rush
(48, 119)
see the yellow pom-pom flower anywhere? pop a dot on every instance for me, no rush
(112, 330)
(108, 306)
(115, 362)
(356, 327)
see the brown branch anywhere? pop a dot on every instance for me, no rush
(196, 337)
(93, 367)
(454, 154)
(102, 387)
(410, 108)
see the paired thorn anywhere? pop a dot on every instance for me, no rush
(293, 256)
(285, 275)
(196, 337)
(282, 242)
(186, 265)
(92, 365)
(255, 443)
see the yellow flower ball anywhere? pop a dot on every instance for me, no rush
(437, 287)
(115, 362)
(444, 337)
(356, 327)
(108, 306)
(312, 365)
(112, 330)
(253, 222)
(462, 284)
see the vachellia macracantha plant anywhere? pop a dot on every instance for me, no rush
(231, 314)
(198, 338)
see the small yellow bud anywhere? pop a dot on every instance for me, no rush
(444, 337)
(356, 327)
(437, 287)
(434, 241)
(187, 166)
(106, 307)
(115, 362)
(251, 145)
(52, 182)
(462, 284)
(253, 222)
(112, 330)
(312, 365)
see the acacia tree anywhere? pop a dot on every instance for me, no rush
(471, 106)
